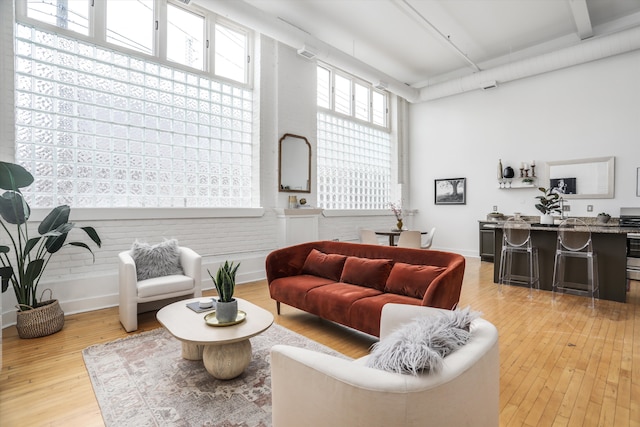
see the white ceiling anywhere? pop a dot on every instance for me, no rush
(423, 42)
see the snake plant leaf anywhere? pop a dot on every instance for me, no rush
(55, 219)
(13, 177)
(13, 208)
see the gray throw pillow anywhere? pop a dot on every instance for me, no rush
(422, 344)
(158, 260)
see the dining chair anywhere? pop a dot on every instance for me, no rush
(410, 239)
(368, 237)
(428, 240)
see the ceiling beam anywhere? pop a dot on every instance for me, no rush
(580, 13)
(408, 7)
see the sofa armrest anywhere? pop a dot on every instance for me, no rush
(287, 262)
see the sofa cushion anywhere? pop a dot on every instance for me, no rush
(293, 290)
(421, 345)
(324, 265)
(411, 280)
(371, 273)
(158, 260)
(164, 285)
(334, 301)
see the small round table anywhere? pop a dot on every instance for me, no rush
(224, 350)
(392, 235)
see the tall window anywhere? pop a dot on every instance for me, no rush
(354, 145)
(102, 127)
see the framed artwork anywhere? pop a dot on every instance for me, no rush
(638, 182)
(563, 185)
(451, 191)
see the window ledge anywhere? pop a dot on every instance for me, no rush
(100, 214)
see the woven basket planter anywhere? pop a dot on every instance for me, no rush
(46, 319)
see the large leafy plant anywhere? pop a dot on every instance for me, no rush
(548, 203)
(31, 254)
(225, 281)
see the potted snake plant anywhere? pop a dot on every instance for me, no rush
(31, 253)
(225, 283)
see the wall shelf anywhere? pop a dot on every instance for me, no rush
(509, 183)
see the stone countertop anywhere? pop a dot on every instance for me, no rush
(611, 227)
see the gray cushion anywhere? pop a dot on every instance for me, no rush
(422, 344)
(158, 260)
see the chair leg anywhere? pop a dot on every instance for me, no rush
(278, 307)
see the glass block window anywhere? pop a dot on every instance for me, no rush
(354, 164)
(100, 128)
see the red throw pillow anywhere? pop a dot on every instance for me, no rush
(324, 265)
(411, 280)
(368, 272)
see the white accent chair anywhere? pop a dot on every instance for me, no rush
(315, 389)
(410, 239)
(152, 294)
(369, 237)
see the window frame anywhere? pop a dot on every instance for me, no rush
(333, 73)
(97, 35)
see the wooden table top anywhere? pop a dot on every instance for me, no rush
(187, 325)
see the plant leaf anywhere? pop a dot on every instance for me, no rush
(93, 234)
(84, 245)
(13, 176)
(55, 243)
(55, 219)
(13, 208)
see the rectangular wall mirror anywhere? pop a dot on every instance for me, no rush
(294, 164)
(582, 178)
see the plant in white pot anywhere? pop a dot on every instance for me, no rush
(225, 283)
(549, 203)
(31, 254)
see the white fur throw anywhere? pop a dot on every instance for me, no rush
(422, 344)
(158, 260)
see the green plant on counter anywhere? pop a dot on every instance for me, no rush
(549, 203)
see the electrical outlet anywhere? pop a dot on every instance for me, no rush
(495, 208)
(589, 208)
(566, 208)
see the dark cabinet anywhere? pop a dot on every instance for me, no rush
(487, 239)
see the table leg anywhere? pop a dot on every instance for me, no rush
(392, 239)
(227, 361)
(192, 351)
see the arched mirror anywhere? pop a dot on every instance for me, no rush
(294, 164)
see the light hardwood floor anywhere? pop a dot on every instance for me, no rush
(561, 364)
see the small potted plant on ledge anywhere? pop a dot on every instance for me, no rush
(31, 254)
(225, 283)
(549, 203)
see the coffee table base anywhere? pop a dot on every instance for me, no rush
(223, 361)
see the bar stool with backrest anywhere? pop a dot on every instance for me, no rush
(516, 239)
(574, 241)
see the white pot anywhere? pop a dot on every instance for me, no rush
(546, 219)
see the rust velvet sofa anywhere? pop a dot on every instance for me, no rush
(349, 283)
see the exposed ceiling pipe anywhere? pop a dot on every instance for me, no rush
(587, 51)
(295, 37)
(433, 28)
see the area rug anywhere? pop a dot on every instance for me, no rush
(143, 381)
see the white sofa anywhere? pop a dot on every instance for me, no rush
(152, 294)
(315, 389)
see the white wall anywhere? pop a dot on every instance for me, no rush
(591, 110)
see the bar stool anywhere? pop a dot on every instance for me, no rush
(516, 239)
(574, 241)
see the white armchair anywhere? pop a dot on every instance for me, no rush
(316, 389)
(151, 294)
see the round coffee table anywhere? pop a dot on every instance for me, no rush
(224, 350)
